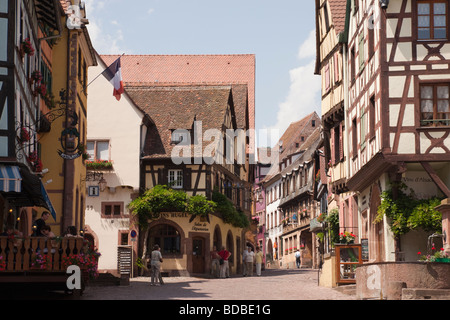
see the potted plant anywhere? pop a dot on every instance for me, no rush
(26, 48)
(347, 237)
(24, 135)
(40, 89)
(435, 256)
(36, 77)
(2, 264)
(40, 261)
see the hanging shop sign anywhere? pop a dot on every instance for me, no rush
(70, 143)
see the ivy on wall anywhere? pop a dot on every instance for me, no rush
(406, 212)
(162, 198)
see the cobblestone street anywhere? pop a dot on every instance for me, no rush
(272, 285)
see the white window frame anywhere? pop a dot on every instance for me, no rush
(94, 154)
(175, 178)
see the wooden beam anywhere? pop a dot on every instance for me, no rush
(433, 175)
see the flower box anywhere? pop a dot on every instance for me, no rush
(447, 260)
(99, 165)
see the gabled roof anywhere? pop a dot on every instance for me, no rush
(290, 138)
(338, 11)
(308, 148)
(178, 107)
(338, 20)
(170, 70)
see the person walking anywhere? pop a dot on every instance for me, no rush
(258, 260)
(215, 265)
(297, 258)
(224, 267)
(249, 257)
(155, 262)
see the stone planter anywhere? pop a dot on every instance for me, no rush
(376, 280)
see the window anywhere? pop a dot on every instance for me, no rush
(371, 37)
(98, 150)
(327, 77)
(112, 209)
(176, 179)
(352, 65)
(337, 145)
(327, 19)
(432, 19)
(372, 118)
(167, 237)
(363, 126)
(434, 105)
(361, 51)
(354, 138)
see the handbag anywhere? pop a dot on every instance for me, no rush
(221, 261)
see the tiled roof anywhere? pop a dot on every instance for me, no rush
(171, 70)
(337, 8)
(308, 148)
(176, 108)
(290, 138)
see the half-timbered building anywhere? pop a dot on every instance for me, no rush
(188, 148)
(331, 59)
(284, 154)
(398, 111)
(25, 53)
(297, 203)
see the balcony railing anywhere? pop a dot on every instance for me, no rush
(19, 255)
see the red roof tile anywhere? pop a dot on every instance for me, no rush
(190, 69)
(338, 8)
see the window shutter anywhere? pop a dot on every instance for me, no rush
(187, 174)
(333, 137)
(163, 178)
(341, 142)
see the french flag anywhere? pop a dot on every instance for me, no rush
(114, 75)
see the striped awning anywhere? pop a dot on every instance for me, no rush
(10, 179)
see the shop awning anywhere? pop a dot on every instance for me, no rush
(23, 189)
(10, 179)
(47, 201)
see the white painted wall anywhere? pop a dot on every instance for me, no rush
(119, 122)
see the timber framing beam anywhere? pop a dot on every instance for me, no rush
(433, 175)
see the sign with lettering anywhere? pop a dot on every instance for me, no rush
(365, 249)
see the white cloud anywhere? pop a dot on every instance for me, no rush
(308, 48)
(106, 36)
(304, 91)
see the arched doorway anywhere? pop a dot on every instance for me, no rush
(217, 238)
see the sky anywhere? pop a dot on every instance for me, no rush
(281, 34)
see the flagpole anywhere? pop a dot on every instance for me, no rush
(84, 89)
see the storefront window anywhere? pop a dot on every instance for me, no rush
(167, 237)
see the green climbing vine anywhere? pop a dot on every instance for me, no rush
(407, 212)
(162, 198)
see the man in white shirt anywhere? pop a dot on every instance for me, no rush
(248, 257)
(297, 258)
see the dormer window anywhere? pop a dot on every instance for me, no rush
(180, 136)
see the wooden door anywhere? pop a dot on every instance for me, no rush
(198, 255)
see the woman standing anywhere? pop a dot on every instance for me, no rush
(156, 259)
